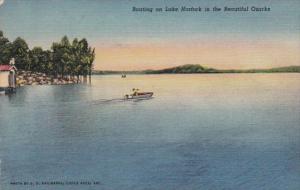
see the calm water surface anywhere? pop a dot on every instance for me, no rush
(231, 131)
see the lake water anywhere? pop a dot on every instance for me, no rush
(214, 131)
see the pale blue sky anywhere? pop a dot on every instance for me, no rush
(42, 21)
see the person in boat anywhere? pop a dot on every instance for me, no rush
(135, 91)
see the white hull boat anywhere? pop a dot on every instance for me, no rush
(139, 95)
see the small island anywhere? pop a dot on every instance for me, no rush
(65, 63)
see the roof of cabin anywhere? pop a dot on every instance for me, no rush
(7, 68)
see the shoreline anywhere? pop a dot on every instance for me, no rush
(108, 74)
(25, 78)
(198, 69)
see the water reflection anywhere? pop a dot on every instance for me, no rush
(198, 132)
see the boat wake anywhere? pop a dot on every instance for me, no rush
(116, 100)
(106, 101)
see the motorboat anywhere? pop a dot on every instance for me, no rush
(138, 95)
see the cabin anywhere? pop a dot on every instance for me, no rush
(8, 78)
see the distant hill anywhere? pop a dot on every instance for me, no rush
(183, 69)
(192, 68)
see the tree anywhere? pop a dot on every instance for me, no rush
(35, 56)
(62, 56)
(5, 49)
(87, 56)
(47, 60)
(91, 61)
(64, 59)
(20, 52)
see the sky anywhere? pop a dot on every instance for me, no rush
(127, 40)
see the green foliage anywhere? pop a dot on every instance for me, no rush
(63, 59)
(189, 68)
(5, 49)
(73, 59)
(40, 60)
(20, 52)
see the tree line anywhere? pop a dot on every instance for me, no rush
(64, 59)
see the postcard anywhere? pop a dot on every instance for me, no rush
(149, 95)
